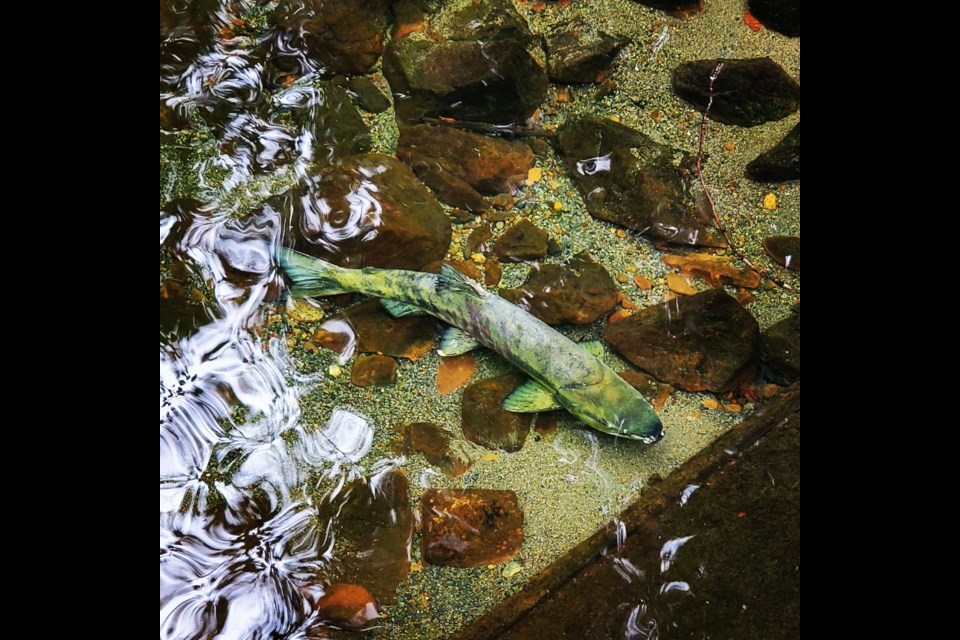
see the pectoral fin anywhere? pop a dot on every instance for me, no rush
(399, 309)
(594, 348)
(454, 342)
(530, 397)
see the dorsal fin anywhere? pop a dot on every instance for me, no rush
(449, 279)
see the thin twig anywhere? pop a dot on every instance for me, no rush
(763, 273)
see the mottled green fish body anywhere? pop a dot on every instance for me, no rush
(564, 373)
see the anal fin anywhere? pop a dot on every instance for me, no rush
(530, 397)
(455, 341)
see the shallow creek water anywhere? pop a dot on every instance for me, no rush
(279, 476)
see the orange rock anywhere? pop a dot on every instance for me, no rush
(455, 372)
(642, 282)
(711, 403)
(679, 284)
(348, 605)
(715, 270)
(492, 272)
(617, 316)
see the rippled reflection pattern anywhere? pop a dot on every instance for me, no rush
(239, 547)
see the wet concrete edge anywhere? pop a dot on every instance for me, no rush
(780, 412)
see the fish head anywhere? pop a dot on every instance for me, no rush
(625, 415)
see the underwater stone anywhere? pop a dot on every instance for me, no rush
(477, 241)
(472, 66)
(782, 16)
(485, 422)
(438, 446)
(627, 178)
(460, 166)
(335, 36)
(576, 293)
(470, 527)
(373, 530)
(374, 371)
(349, 606)
(715, 270)
(746, 93)
(377, 331)
(647, 385)
(369, 95)
(704, 342)
(579, 52)
(522, 241)
(454, 372)
(679, 8)
(779, 164)
(369, 211)
(781, 347)
(784, 250)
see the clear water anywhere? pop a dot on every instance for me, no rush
(247, 539)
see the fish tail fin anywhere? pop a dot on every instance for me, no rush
(311, 276)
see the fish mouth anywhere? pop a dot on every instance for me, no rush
(652, 432)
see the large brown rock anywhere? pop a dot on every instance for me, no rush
(460, 166)
(576, 293)
(374, 371)
(470, 527)
(438, 446)
(373, 330)
(705, 342)
(522, 241)
(373, 532)
(627, 178)
(485, 422)
(369, 211)
(781, 348)
(784, 250)
(579, 52)
(746, 92)
(349, 606)
(332, 36)
(469, 61)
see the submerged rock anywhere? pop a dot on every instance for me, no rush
(470, 527)
(460, 166)
(374, 371)
(704, 342)
(454, 372)
(373, 531)
(369, 95)
(679, 8)
(779, 164)
(369, 211)
(715, 270)
(627, 178)
(784, 250)
(438, 446)
(782, 16)
(579, 292)
(477, 241)
(485, 422)
(746, 93)
(781, 347)
(330, 36)
(469, 62)
(349, 606)
(522, 241)
(376, 331)
(579, 52)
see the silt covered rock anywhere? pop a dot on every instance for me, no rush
(485, 422)
(679, 8)
(746, 93)
(704, 342)
(780, 15)
(576, 293)
(368, 328)
(522, 241)
(460, 166)
(438, 446)
(374, 371)
(468, 62)
(579, 52)
(784, 250)
(779, 164)
(627, 178)
(470, 527)
(369, 211)
(330, 36)
(781, 347)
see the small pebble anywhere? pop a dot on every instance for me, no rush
(334, 370)
(769, 202)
